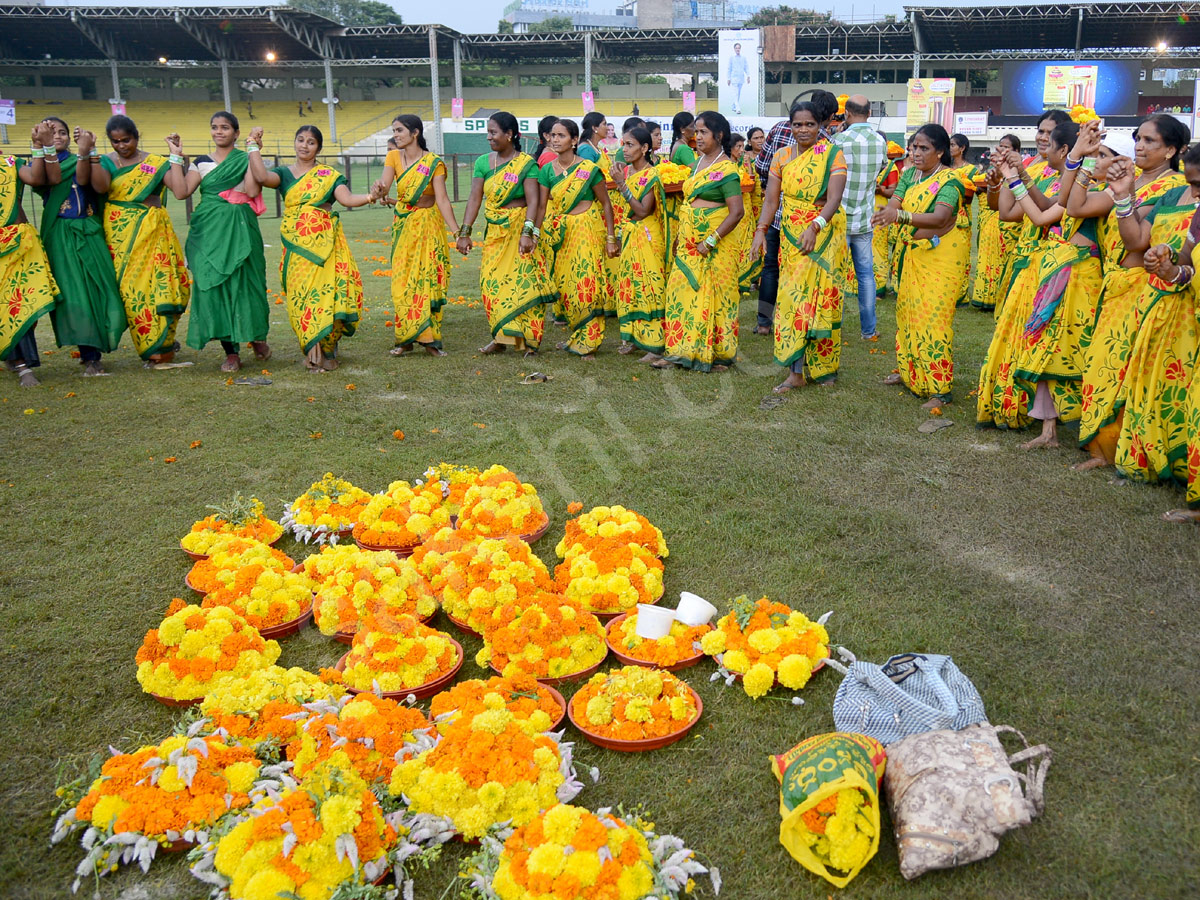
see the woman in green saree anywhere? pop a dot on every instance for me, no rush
(224, 246)
(89, 314)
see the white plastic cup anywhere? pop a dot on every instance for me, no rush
(653, 622)
(694, 610)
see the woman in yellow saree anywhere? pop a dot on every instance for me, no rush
(514, 281)
(883, 238)
(420, 253)
(1123, 300)
(576, 224)
(645, 248)
(809, 178)
(933, 254)
(1035, 362)
(321, 283)
(990, 256)
(1155, 435)
(751, 264)
(965, 172)
(701, 326)
(27, 289)
(151, 273)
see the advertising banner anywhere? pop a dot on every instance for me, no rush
(589, 101)
(1110, 87)
(456, 109)
(972, 124)
(930, 100)
(8, 112)
(689, 101)
(1068, 86)
(738, 61)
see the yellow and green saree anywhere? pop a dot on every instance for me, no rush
(1051, 300)
(931, 275)
(1107, 341)
(321, 283)
(514, 288)
(883, 237)
(751, 267)
(808, 311)
(577, 243)
(644, 261)
(1156, 437)
(151, 273)
(701, 327)
(27, 289)
(420, 257)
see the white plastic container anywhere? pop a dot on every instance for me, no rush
(694, 610)
(654, 622)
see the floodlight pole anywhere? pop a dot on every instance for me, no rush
(225, 85)
(587, 61)
(437, 93)
(329, 97)
(457, 68)
(116, 81)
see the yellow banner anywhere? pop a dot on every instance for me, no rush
(1068, 86)
(930, 100)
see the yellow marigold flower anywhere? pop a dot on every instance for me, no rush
(736, 661)
(794, 671)
(758, 680)
(713, 642)
(765, 640)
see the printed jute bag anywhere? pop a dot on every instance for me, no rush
(952, 794)
(829, 803)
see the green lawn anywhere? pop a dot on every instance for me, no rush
(1062, 595)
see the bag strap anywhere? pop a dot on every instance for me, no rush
(1034, 778)
(845, 654)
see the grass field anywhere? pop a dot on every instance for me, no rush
(1065, 599)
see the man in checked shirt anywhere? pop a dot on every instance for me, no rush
(780, 136)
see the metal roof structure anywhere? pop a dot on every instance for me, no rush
(63, 35)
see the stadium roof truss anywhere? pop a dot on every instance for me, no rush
(87, 35)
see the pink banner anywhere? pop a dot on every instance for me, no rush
(456, 109)
(589, 101)
(118, 109)
(689, 101)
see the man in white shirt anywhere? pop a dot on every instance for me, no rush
(737, 76)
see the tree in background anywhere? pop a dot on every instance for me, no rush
(552, 24)
(351, 12)
(789, 15)
(504, 27)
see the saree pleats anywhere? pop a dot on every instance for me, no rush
(925, 303)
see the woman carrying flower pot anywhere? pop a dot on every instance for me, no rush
(809, 178)
(321, 283)
(420, 255)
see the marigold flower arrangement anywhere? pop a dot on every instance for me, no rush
(194, 649)
(351, 583)
(157, 795)
(262, 594)
(229, 553)
(499, 503)
(485, 771)
(241, 517)
(302, 843)
(402, 516)
(570, 853)
(605, 523)
(633, 704)
(396, 653)
(611, 576)
(473, 577)
(544, 635)
(532, 705)
(672, 173)
(372, 733)
(682, 641)
(455, 481)
(256, 709)
(838, 830)
(1080, 114)
(765, 642)
(328, 508)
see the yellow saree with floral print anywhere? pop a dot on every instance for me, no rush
(751, 266)
(931, 275)
(808, 311)
(420, 257)
(1108, 339)
(701, 327)
(27, 289)
(577, 241)
(152, 275)
(515, 289)
(1155, 434)
(644, 262)
(321, 282)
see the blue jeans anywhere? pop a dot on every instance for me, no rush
(863, 255)
(768, 281)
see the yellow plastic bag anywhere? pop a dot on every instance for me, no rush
(829, 802)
